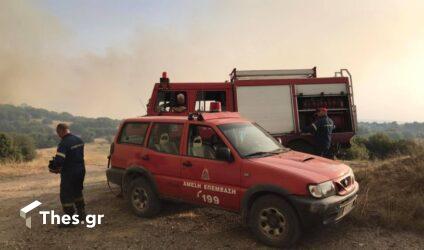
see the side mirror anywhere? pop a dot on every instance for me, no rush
(224, 153)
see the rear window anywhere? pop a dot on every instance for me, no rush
(133, 133)
(204, 99)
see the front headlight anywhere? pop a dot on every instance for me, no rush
(322, 190)
(353, 176)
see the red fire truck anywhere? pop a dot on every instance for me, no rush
(283, 102)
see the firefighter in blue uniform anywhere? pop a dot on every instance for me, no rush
(322, 130)
(69, 160)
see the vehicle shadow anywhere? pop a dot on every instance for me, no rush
(174, 207)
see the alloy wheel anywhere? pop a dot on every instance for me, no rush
(139, 198)
(272, 222)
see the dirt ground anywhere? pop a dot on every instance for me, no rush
(179, 226)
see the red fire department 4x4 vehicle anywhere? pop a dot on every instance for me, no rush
(225, 161)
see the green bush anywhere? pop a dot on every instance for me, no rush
(24, 147)
(380, 146)
(408, 147)
(358, 150)
(6, 148)
(16, 147)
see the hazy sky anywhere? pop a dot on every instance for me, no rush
(101, 58)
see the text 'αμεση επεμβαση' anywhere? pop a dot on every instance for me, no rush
(209, 187)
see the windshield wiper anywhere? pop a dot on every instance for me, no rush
(259, 153)
(263, 153)
(277, 151)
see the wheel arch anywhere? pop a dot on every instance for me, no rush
(137, 172)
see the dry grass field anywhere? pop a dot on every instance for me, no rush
(392, 193)
(95, 154)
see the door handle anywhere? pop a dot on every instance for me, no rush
(187, 164)
(145, 157)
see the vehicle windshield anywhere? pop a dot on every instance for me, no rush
(250, 140)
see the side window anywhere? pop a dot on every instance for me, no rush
(203, 142)
(171, 101)
(133, 133)
(204, 98)
(165, 138)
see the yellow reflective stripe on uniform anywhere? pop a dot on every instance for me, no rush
(79, 199)
(315, 127)
(67, 204)
(61, 154)
(77, 146)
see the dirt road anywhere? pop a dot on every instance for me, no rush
(179, 226)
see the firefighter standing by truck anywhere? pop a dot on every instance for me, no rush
(322, 130)
(69, 162)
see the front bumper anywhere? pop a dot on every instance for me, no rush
(324, 211)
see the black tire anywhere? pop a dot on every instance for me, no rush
(142, 198)
(274, 222)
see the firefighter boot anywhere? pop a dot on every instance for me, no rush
(80, 205)
(68, 209)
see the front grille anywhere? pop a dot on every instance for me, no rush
(345, 185)
(346, 181)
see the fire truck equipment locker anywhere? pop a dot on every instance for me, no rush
(269, 106)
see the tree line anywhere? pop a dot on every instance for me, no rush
(25, 128)
(394, 130)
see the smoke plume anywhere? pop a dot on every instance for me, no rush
(378, 42)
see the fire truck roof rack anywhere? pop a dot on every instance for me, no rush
(273, 74)
(204, 116)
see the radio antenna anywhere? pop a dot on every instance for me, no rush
(143, 105)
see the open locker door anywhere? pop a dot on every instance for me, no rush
(269, 106)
